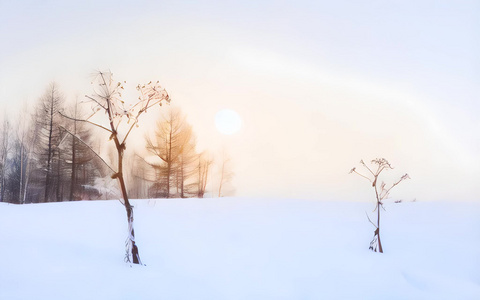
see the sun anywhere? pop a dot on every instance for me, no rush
(228, 121)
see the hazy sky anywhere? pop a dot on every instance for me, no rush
(319, 85)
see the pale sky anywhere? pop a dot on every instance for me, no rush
(319, 85)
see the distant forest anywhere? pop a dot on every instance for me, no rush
(49, 153)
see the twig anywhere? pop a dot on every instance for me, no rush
(370, 220)
(355, 171)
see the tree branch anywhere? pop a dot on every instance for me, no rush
(94, 152)
(396, 183)
(143, 109)
(355, 171)
(365, 165)
(86, 121)
(94, 100)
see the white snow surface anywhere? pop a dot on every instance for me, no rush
(237, 248)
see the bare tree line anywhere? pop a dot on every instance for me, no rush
(40, 162)
(49, 154)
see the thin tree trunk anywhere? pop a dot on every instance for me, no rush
(4, 158)
(380, 249)
(50, 134)
(169, 171)
(2, 194)
(377, 231)
(73, 175)
(27, 173)
(199, 187)
(129, 208)
(29, 163)
(182, 179)
(169, 164)
(59, 178)
(131, 246)
(221, 180)
(20, 200)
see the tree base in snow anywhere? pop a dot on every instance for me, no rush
(376, 244)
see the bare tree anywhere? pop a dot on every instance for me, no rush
(73, 179)
(22, 150)
(204, 163)
(174, 146)
(80, 161)
(186, 163)
(51, 103)
(13, 182)
(107, 98)
(12, 160)
(381, 193)
(225, 172)
(4, 151)
(30, 159)
(46, 151)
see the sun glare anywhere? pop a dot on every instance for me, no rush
(228, 121)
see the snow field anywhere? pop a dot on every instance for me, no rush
(237, 248)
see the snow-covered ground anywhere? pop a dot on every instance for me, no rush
(236, 248)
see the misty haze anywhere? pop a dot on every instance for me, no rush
(239, 150)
